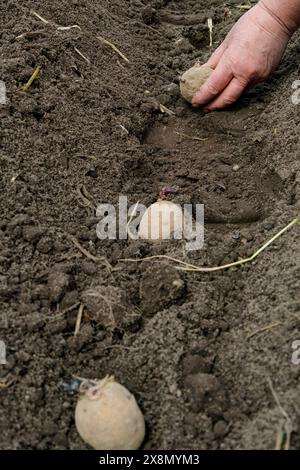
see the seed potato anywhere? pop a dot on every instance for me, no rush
(107, 417)
(193, 79)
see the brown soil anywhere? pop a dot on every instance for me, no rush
(188, 354)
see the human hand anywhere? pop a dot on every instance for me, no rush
(250, 52)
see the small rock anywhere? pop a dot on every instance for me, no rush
(70, 299)
(149, 105)
(236, 235)
(268, 225)
(172, 89)
(165, 99)
(40, 292)
(58, 283)
(66, 405)
(258, 136)
(32, 234)
(180, 110)
(45, 245)
(183, 45)
(89, 268)
(220, 429)
(49, 428)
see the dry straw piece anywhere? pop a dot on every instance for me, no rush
(32, 78)
(110, 44)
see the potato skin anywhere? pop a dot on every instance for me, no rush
(110, 420)
(161, 221)
(193, 79)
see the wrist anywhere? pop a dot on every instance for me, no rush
(285, 12)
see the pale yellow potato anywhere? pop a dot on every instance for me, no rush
(107, 417)
(161, 221)
(193, 79)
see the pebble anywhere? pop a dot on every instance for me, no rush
(32, 234)
(220, 429)
(58, 283)
(45, 245)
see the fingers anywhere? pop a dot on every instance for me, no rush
(215, 84)
(231, 93)
(216, 56)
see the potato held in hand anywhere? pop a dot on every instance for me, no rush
(193, 79)
(107, 417)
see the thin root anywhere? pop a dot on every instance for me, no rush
(87, 198)
(192, 137)
(85, 252)
(193, 268)
(59, 28)
(265, 328)
(110, 44)
(62, 314)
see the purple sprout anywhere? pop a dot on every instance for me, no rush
(166, 191)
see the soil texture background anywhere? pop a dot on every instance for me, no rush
(205, 354)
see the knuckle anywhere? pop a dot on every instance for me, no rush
(228, 100)
(212, 89)
(246, 78)
(252, 74)
(235, 63)
(245, 71)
